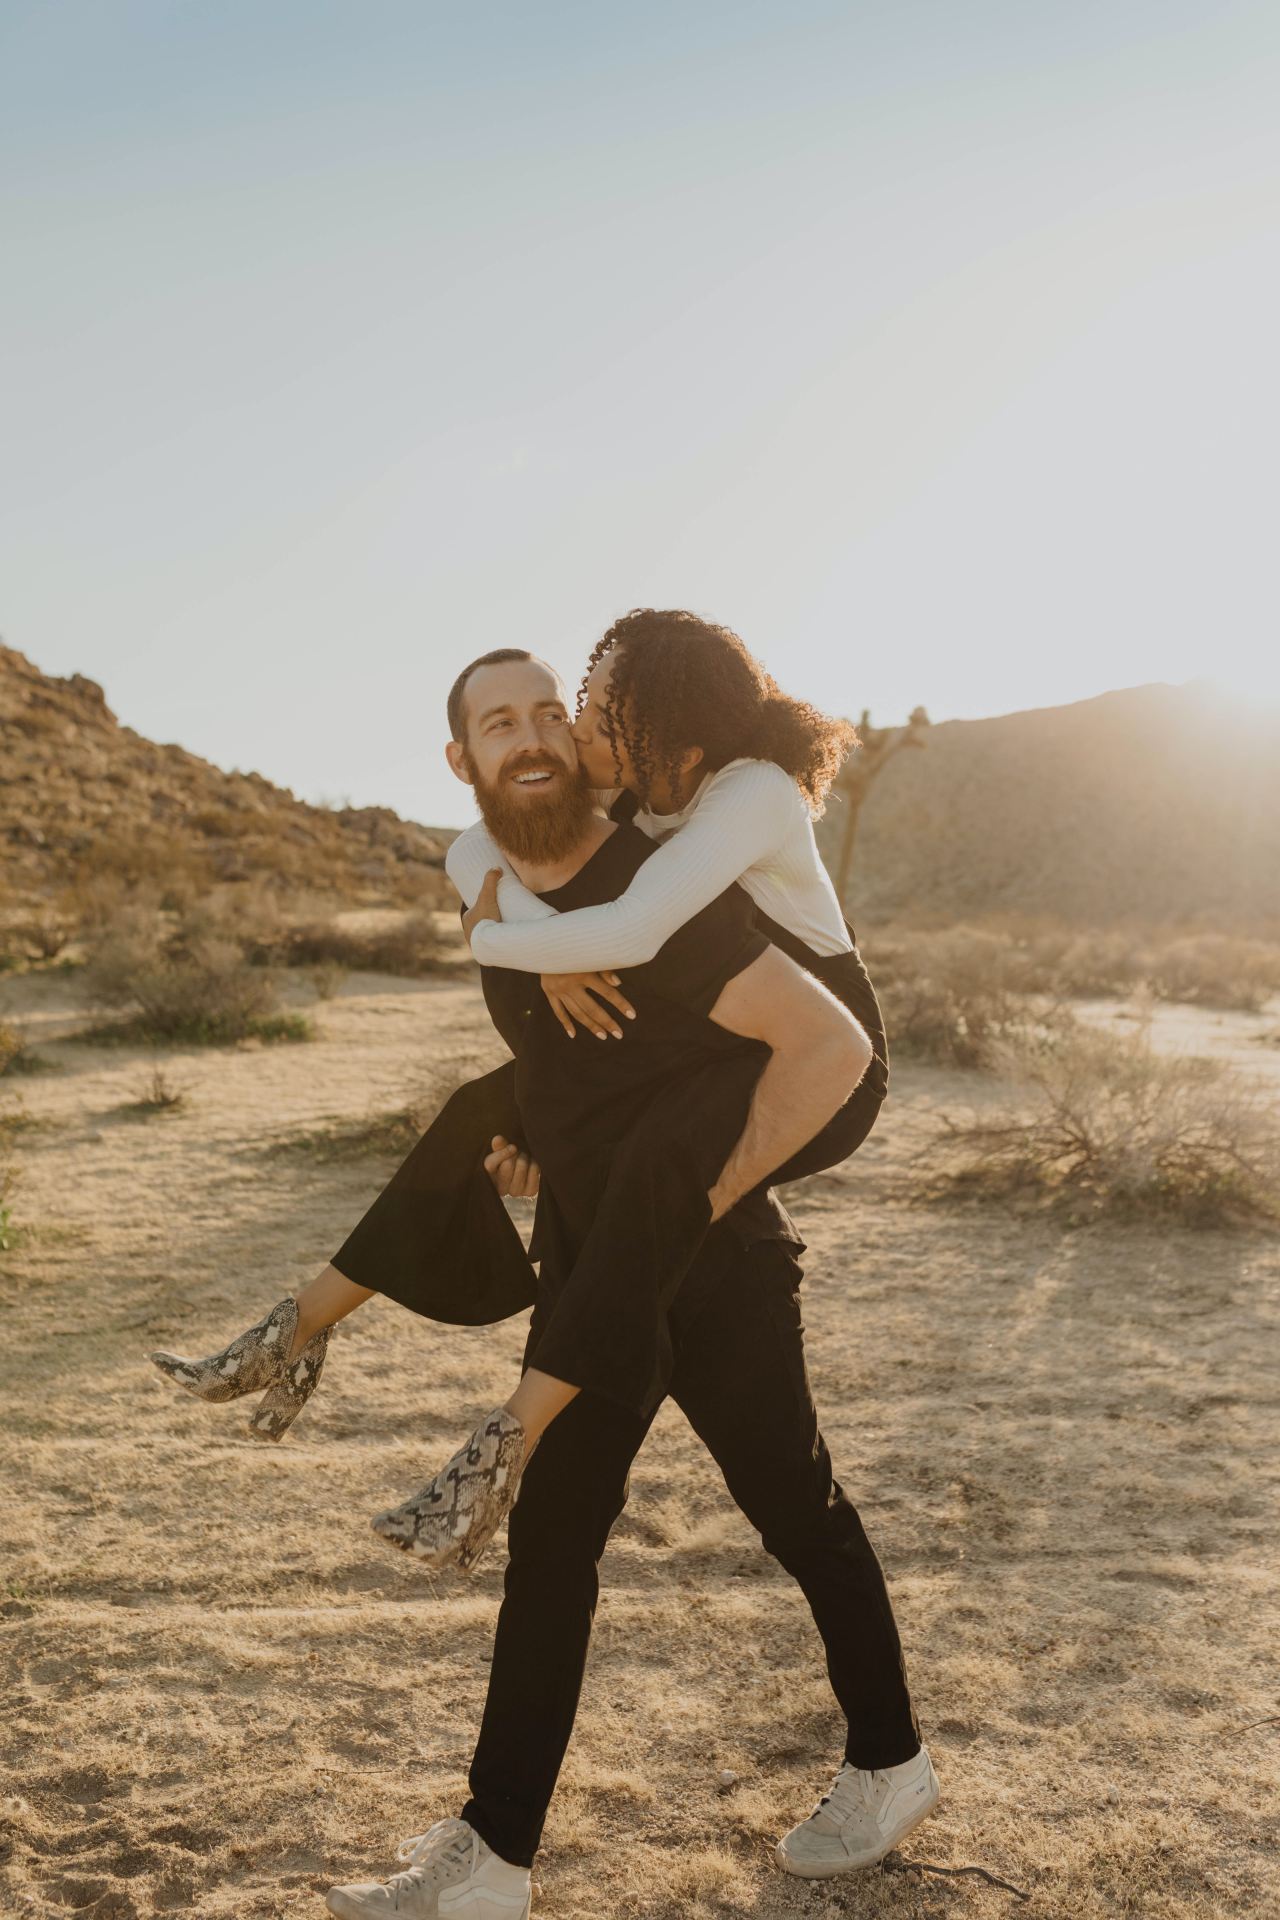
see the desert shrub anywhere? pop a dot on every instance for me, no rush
(192, 984)
(1072, 965)
(326, 976)
(1217, 970)
(948, 997)
(162, 860)
(12, 1048)
(158, 1094)
(47, 932)
(8, 1229)
(249, 912)
(15, 1055)
(409, 947)
(1113, 1126)
(283, 1027)
(953, 991)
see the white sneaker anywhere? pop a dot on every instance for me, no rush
(860, 1819)
(451, 1871)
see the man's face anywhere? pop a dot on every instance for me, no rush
(519, 757)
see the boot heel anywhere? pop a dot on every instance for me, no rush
(290, 1392)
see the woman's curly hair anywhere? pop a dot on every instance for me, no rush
(679, 682)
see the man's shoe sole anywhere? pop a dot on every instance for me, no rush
(349, 1910)
(822, 1871)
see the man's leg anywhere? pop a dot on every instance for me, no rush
(741, 1381)
(573, 1490)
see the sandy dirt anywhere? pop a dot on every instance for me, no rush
(221, 1693)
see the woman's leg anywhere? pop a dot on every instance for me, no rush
(324, 1301)
(537, 1401)
(438, 1239)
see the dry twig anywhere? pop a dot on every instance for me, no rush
(894, 1863)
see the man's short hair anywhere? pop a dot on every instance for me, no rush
(457, 693)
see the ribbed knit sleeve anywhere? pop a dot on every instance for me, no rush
(742, 815)
(470, 857)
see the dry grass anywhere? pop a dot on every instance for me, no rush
(1116, 1127)
(220, 1694)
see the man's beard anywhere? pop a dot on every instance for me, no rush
(537, 828)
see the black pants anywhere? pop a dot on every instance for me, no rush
(740, 1379)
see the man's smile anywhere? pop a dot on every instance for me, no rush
(535, 777)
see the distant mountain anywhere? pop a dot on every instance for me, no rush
(1155, 805)
(81, 795)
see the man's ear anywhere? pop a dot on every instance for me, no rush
(455, 754)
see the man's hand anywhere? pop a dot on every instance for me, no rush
(486, 906)
(570, 995)
(513, 1173)
(819, 1054)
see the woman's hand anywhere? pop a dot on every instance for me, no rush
(513, 1173)
(486, 906)
(571, 997)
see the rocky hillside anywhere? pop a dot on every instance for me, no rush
(81, 795)
(1153, 806)
(1157, 805)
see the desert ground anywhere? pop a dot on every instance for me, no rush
(221, 1693)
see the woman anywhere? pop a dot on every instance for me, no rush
(707, 750)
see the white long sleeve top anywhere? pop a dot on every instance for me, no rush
(747, 822)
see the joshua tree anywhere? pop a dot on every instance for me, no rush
(877, 746)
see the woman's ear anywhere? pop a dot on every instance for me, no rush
(690, 758)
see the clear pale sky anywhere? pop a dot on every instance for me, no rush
(932, 346)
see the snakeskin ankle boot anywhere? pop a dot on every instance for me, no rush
(294, 1385)
(453, 1519)
(254, 1360)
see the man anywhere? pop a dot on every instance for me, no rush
(710, 1005)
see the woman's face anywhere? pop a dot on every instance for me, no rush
(591, 737)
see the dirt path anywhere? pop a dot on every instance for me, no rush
(221, 1694)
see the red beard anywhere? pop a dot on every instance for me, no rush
(536, 828)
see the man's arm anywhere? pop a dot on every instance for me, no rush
(819, 1054)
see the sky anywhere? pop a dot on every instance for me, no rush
(930, 346)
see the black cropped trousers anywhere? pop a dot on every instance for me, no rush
(440, 1241)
